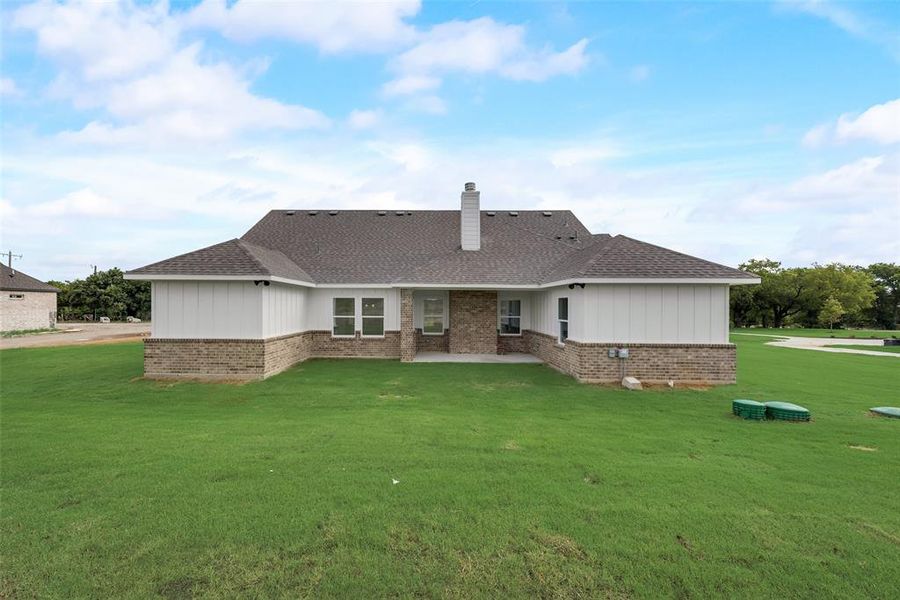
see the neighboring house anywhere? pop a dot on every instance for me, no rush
(25, 302)
(391, 284)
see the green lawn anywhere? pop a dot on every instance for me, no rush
(823, 333)
(894, 349)
(514, 481)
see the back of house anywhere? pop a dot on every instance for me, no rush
(397, 283)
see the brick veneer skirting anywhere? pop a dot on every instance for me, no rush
(651, 363)
(256, 359)
(432, 343)
(511, 343)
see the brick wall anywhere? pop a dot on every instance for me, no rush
(511, 343)
(651, 363)
(35, 310)
(432, 343)
(256, 359)
(473, 322)
(323, 345)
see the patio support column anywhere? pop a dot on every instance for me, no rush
(407, 329)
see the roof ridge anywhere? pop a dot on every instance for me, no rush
(243, 245)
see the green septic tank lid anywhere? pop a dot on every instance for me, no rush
(785, 407)
(748, 403)
(887, 411)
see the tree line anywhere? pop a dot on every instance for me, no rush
(832, 295)
(102, 294)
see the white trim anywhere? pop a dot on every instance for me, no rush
(451, 286)
(363, 316)
(157, 277)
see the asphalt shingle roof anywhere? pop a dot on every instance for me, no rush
(423, 247)
(13, 280)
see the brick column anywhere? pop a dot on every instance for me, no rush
(473, 322)
(407, 329)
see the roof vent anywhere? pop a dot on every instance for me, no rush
(313, 213)
(547, 213)
(408, 213)
(290, 213)
(399, 213)
(513, 213)
(491, 213)
(381, 213)
(332, 212)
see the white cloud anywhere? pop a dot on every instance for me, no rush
(486, 46)
(430, 104)
(410, 84)
(364, 119)
(879, 124)
(9, 88)
(102, 40)
(126, 59)
(330, 26)
(81, 203)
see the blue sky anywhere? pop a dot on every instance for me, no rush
(134, 131)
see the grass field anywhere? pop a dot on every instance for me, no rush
(891, 349)
(824, 333)
(514, 481)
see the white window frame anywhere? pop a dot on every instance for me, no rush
(335, 316)
(559, 321)
(508, 316)
(426, 315)
(364, 316)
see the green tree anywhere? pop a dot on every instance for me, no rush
(852, 287)
(885, 310)
(831, 312)
(782, 292)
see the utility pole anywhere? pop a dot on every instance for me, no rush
(10, 256)
(94, 303)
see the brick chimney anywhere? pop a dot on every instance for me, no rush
(470, 218)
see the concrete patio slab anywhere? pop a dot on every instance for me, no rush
(444, 357)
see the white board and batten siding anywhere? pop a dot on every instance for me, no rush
(242, 310)
(638, 313)
(321, 303)
(206, 310)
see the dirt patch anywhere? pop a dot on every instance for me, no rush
(511, 445)
(686, 544)
(562, 545)
(592, 479)
(183, 587)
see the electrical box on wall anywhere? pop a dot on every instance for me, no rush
(613, 352)
(623, 352)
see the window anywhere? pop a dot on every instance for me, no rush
(344, 323)
(373, 316)
(510, 317)
(433, 316)
(562, 314)
(16, 296)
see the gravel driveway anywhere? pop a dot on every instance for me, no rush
(70, 334)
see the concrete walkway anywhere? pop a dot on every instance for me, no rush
(444, 357)
(822, 344)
